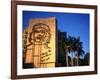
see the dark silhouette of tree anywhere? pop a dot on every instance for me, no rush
(86, 60)
(74, 46)
(70, 45)
(71, 49)
(67, 49)
(78, 49)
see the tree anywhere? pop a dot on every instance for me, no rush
(86, 59)
(63, 45)
(70, 45)
(67, 49)
(79, 49)
(71, 48)
(75, 46)
(79, 53)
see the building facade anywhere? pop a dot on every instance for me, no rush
(39, 43)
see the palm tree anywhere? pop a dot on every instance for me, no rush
(66, 48)
(78, 49)
(70, 45)
(63, 43)
(75, 45)
(81, 53)
(71, 49)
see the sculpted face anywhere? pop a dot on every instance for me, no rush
(41, 33)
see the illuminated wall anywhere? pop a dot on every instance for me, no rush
(39, 42)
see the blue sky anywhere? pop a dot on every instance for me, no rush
(75, 24)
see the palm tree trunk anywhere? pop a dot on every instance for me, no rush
(66, 51)
(67, 56)
(72, 58)
(77, 58)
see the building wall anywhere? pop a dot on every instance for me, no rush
(40, 42)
